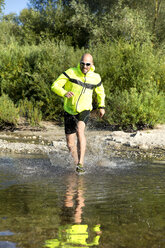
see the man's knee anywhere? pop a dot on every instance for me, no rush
(70, 141)
(80, 128)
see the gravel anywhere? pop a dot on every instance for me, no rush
(147, 143)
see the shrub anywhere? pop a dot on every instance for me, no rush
(9, 32)
(28, 72)
(8, 112)
(31, 111)
(123, 65)
(133, 78)
(131, 108)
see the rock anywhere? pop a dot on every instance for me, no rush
(144, 146)
(52, 139)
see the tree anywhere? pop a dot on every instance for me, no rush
(2, 3)
(100, 6)
(9, 29)
(41, 5)
(31, 25)
(154, 11)
(49, 23)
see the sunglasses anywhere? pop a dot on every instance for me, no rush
(87, 64)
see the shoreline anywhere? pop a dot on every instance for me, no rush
(145, 144)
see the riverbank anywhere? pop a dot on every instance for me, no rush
(50, 138)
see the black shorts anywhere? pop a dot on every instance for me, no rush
(71, 121)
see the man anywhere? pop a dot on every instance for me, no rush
(76, 86)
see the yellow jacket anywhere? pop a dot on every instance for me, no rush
(82, 86)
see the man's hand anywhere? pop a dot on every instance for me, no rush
(101, 112)
(69, 94)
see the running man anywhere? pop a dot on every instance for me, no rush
(76, 86)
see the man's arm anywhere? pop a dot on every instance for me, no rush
(100, 100)
(57, 86)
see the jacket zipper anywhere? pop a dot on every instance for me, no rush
(82, 92)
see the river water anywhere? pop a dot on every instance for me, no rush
(115, 204)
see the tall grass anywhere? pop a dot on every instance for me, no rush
(8, 112)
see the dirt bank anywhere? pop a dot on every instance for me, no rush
(51, 138)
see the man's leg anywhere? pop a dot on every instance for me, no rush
(81, 144)
(72, 146)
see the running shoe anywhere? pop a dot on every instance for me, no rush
(79, 168)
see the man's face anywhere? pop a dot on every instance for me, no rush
(85, 64)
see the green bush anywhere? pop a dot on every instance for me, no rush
(123, 40)
(134, 80)
(8, 112)
(27, 72)
(160, 75)
(131, 108)
(123, 65)
(9, 32)
(31, 111)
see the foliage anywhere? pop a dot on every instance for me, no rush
(80, 22)
(125, 65)
(9, 32)
(129, 24)
(2, 3)
(133, 77)
(31, 26)
(131, 108)
(126, 39)
(49, 24)
(31, 111)
(29, 71)
(41, 5)
(159, 25)
(8, 112)
(155, 15)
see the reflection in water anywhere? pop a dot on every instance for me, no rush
(50, 206)
(6, 244)
(78, 233)
(75, 188)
